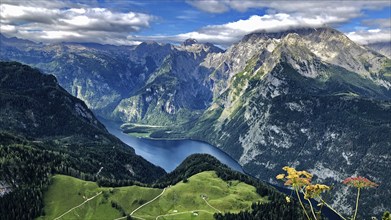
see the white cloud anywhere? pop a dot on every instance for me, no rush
(43, 3)
(211, 6)
(370, 36)
(189, 15)
(13, 14)
(62, 23)
(60, 35)
(231, 32)
(8, 28)
(85, 21)
(374, 31)
(337, 7)
(280, 16)
(380, 22)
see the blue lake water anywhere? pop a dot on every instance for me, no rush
(168, 154)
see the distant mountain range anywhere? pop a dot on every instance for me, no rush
(125, 83)
(382, 48)
(310, 98)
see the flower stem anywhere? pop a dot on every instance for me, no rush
(301, 203)
(358, 197)
(331, 208)
(312, 209)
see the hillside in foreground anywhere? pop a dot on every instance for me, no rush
(201, 185)
(180, 201)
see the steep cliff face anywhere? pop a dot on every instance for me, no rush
(314, 100)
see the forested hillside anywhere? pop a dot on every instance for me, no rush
(44, 131)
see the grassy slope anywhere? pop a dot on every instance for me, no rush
(67, 192)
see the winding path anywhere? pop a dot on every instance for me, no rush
(210, 205)
(70, 210)
(159, 216)
(143, 205)
(148, 202)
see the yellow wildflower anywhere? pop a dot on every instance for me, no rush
(288, 200)
(312, 191)
(292, 176)
(305, 173)
(280, 176)
(295, 178)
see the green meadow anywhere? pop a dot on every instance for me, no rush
(199, 198)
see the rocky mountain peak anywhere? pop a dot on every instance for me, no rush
(148, 44)
(324, 32)
(189, 42)
(193, 46)
(325, 44)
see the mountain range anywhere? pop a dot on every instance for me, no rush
(309, 98)
(125, 83)
(45, 132)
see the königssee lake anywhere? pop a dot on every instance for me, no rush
(168, 154)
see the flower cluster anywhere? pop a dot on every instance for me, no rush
(301, 183)
(313, 191)
(295, 178)
(359, 182)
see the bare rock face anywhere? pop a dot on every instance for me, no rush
(304, 98)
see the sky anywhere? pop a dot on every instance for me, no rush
(222, 22)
